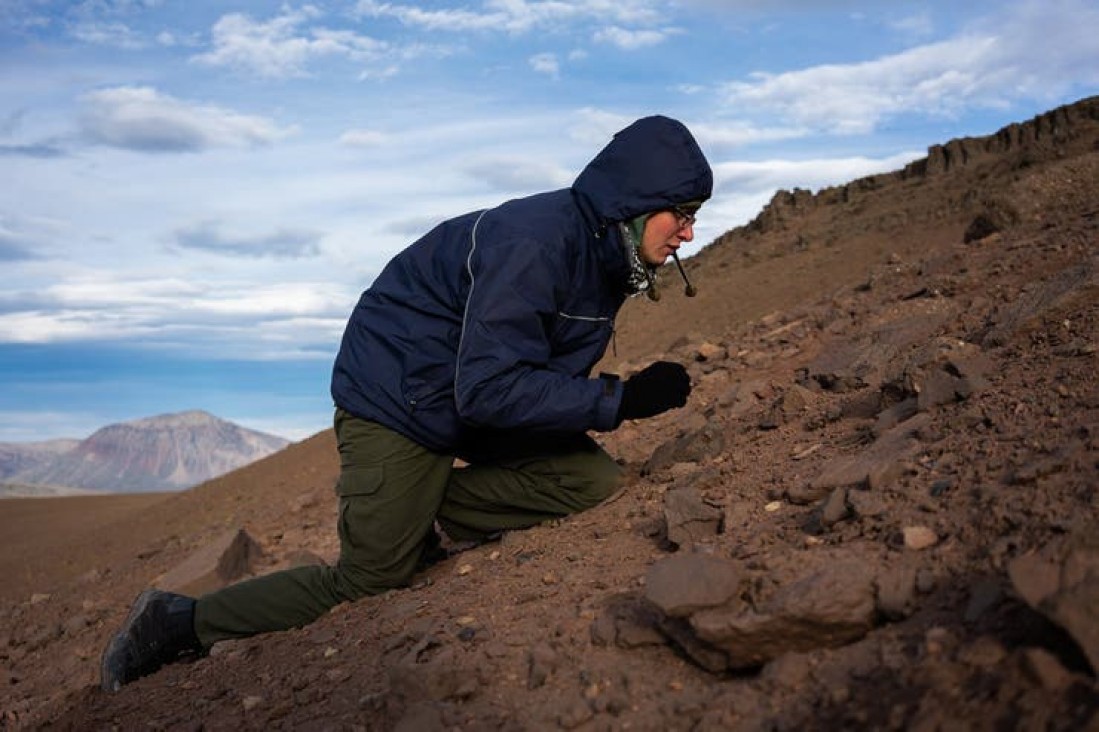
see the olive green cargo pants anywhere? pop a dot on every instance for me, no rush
(391, 491)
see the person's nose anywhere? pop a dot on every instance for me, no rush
(687, 233)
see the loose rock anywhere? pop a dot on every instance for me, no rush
(918, 538)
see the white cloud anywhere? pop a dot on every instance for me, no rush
(813, 174)
(111, 7)
(988, 68)
(742, 189)
(26, 238)
(95, 22)
(115, 35)
(768, 6)
(294, 427)
(443, 20)
(919, 25)
(514, 16)
(44, 149)
(630, 40)
(106, 291)
(1044, 44)
(237, 319)
(141, 118)
(738, 134)
(546, 63)
(276, 48)
(303, 302)
(54, 326)
(286, 243)
(40, 425)
(853, 99)
(595, 127)
(363, 138)
(513, 175)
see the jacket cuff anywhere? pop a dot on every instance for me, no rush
(610, 398)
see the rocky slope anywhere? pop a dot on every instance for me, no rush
(803, 244)
(168, 452)
(878, 510)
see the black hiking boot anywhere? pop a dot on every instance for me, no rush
(432, 551)
(158, 630)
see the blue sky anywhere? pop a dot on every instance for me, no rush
(195, 193)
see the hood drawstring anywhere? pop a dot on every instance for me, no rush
(689, 289)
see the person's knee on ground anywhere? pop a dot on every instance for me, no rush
(583, 480)
(486, 499)
(601, 481)
(358, 580)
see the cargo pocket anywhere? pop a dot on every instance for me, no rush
(355, 487)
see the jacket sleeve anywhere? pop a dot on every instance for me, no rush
(504, 377)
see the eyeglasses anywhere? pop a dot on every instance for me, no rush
(682, 217)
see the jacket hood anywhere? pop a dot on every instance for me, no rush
(652, 164)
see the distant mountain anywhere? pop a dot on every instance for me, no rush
(17, 457)
(18, 490)
(167, 452)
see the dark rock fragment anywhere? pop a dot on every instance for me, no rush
(689, 518)
(685, 583)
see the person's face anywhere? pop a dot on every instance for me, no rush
(665, 232)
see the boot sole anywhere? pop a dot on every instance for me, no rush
(108, 678)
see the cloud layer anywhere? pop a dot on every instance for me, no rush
(143, 119)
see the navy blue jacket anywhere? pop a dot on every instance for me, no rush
(494, 319)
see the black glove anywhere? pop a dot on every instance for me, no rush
(656, 388)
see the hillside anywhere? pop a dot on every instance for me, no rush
(162, 453)
(878, 510)
(804, 245)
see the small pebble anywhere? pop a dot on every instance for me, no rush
(919, 537)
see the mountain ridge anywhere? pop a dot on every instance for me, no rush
(1065, 131)
(158, 453)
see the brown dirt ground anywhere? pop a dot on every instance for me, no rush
(501, 637)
